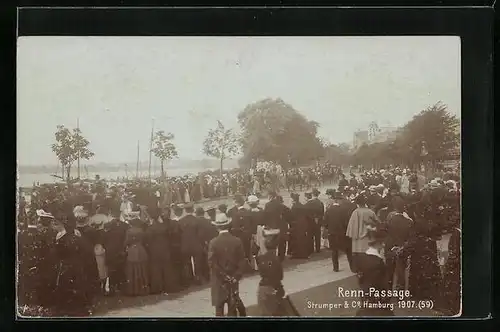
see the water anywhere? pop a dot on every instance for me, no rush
(27, 179)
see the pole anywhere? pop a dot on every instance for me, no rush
(151, 148)
(137, 167)
(78, 127)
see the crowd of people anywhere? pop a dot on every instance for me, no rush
(191, 188)
(77, 244)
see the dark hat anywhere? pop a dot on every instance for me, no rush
(316, 192)
(394, 186)
(330, 192)
(222, 207)
(239, 199)
(337, 195)
(199, 211)
(360, 199)
(273, 193)
(177, 208)
(294, 196)
(398, 203)
(308, 195)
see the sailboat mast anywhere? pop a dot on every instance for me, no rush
(137, 166)
(78, 128)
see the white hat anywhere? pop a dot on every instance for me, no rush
(380, 185)
(132, 215)
(221, 219)
(270, 231)
(42, 214)
(372, 187)
(80, 212)
(253, 199)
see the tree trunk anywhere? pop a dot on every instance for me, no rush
(162, 171)
(221, 161)
(68, 173)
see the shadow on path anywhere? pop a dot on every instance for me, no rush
(103, 304)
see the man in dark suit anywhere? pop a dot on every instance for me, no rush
(336, 221)
(273, 211)
(284, 229)
(226, 259)
(316, 211)
(191, 247)
(240, 221)
(207, 232)
(399, 228)
(373, 277)
(239, 201)
(114, 243)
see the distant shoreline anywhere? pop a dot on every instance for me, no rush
(128, 167)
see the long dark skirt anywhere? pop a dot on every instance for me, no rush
(268, 301)
(137, 278)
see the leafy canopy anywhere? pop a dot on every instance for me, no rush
(221, 143)
(274, 131)
(69, 145)
(163, 148)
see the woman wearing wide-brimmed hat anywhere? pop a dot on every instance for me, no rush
(136, 271)
(270, 292)
(88, 241)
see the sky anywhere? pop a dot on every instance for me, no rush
(117, 86)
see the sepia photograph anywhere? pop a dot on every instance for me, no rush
(238, 176)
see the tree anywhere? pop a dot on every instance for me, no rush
(221, 143)
(163, 148)
(337, 154)
(274, 131)
(432, 135)
(436, 129)
(69, 146)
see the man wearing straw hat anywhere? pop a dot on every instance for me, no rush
(226, 259)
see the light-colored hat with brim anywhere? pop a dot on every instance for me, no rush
(43, 214)
(79, 212)
(270, 231)
(372, 188)
(252, 199)
(132, 215)
(221, 219)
